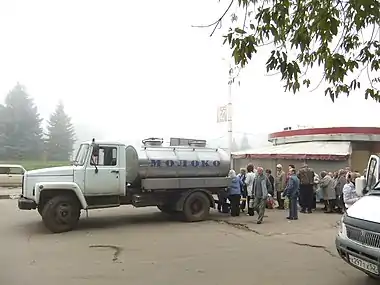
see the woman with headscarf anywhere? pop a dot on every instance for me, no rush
(234, 193)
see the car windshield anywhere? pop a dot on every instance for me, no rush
(81, 154)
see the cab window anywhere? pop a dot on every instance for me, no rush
(16, 170)
(107, 157)
(4, 170)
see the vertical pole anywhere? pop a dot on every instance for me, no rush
(229, 117)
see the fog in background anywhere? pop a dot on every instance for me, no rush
(127, 70)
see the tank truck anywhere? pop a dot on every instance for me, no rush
(176, 179)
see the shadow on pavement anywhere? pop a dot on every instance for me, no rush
(107, 221)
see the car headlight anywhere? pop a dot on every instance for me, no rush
(342, 228)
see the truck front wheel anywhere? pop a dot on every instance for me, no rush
(196, 207)
(61, 213)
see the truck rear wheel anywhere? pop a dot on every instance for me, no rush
(61, 213)
(196, 207)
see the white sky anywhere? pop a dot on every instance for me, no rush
(132, 69)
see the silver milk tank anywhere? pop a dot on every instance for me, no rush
(178, 161)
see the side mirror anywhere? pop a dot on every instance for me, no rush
(360, 184)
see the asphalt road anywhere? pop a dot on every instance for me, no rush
(143, 246)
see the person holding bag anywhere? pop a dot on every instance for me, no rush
(250, 177)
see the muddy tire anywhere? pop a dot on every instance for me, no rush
(196, 207)
(61, 213)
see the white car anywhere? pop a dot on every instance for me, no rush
(11, 175)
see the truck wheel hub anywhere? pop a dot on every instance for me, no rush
(196, 207)
(64, 211)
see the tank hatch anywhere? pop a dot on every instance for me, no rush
(197, 143)
(153, 142)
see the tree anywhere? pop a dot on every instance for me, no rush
(340, 36)
(60, 135)
(244, 145)
(20, 124)
(234, 146)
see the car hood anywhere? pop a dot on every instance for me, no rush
(52, 171)
(367, 208)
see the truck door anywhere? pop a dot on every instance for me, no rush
(373, 173)
(103, 172)
(15, 176)
(4, 176)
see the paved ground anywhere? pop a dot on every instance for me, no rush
(143, 246)
(9, 193)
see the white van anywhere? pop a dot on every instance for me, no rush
(358, 239)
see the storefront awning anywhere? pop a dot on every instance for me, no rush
(318, 150)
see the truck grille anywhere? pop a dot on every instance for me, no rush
(363, 236)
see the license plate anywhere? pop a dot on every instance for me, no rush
(367, 266)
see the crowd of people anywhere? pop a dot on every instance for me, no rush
(254, 190)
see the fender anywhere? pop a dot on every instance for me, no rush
(181, 201)
(69, 186)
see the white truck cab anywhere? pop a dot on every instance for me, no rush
(358, 239)
(175, 179)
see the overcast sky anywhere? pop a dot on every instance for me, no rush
(132, 69)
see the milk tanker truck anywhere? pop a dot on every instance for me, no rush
(176, 179)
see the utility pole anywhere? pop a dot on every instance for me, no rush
(229, 115)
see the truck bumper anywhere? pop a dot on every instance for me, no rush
(364, 258)
(26, 204)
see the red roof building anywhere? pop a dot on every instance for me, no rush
(321, 148)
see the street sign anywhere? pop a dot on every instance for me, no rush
(222, 115)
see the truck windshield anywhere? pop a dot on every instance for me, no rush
(81, 154)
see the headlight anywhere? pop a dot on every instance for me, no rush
(342, 228)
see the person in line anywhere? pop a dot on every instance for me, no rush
(268, 172)
(250, 177)
(341, 181)
(291, 191)
(223, 206)
(306, 177)
(279, 184)
(315, 188)
(261, 187)
(243, 175)
(270, 200)
(349, 193)
(234, 193)
(290, 167)
(328, 190)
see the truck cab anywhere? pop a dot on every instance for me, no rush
(96, 179)
(358, 239)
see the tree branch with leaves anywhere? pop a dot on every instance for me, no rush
(342, 37)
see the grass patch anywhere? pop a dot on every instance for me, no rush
(31, 165)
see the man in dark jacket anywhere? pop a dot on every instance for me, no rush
(271, 180)
(291, 191)
(306, 177)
